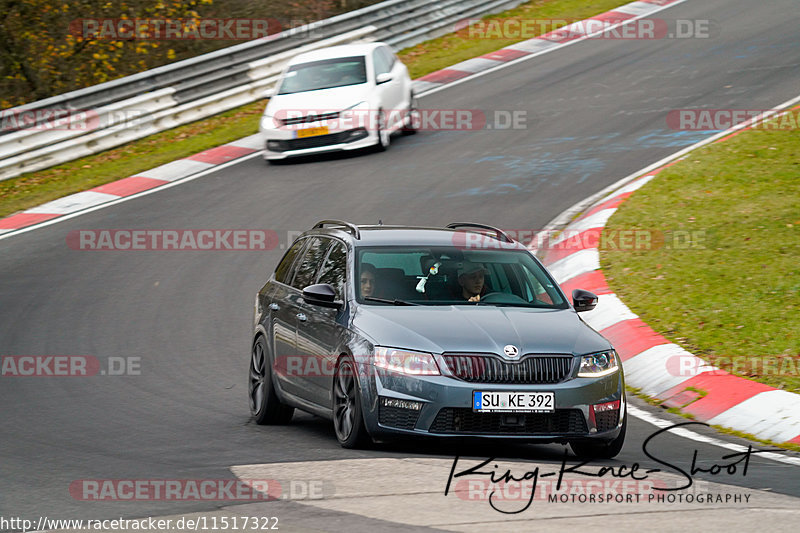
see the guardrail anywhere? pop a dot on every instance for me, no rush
(111, 114)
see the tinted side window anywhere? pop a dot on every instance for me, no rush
(390, 57)
(284, 271)
(307, 268)
(334, 270)
(379, 62)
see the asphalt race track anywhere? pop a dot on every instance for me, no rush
(595, 112)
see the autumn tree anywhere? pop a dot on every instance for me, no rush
(43, 51)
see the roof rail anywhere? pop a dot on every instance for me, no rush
(499, 234)
(352, 228)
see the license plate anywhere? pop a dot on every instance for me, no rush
(513, 402)
(312, 132)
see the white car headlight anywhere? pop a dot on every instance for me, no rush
(406, 362)
(355, 116)
(362, 105)
(598, 364)
(268, 121)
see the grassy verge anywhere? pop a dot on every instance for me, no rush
(731, 294)
(35, 188)
(447, 50)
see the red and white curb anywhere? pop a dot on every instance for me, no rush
(548, 42)
(181, 169)
(114, 191)
(652, 364)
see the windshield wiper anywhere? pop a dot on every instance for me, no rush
(387, 301)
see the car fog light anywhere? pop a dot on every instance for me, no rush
(356, 134)
(275, 146)
(604, 416)
(602, 407)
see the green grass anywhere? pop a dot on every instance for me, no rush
(701, 393)
(785, 445)
(677, 411)
(447, 50)
(733, 294)
(643, 396)
(35, 188)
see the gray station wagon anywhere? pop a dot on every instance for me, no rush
(439, 332)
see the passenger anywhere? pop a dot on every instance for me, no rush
(347, 78)
(367, 279)
(471, 280)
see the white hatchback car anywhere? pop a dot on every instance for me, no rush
(338, 98)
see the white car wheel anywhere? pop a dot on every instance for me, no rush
(384, 136)
(411, 120)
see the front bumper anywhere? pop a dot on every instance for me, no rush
(283, 143)
(441, 406)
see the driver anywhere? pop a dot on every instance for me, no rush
(471, 278)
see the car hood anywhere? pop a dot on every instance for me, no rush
(334, 99)
(484, 329)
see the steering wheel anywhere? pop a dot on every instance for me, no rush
(501, 298)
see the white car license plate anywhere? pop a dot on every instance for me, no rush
(513, 402)
(312, 132)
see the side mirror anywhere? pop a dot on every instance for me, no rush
(321, 294)
(383, 78)
(268, 93)
(583, 300)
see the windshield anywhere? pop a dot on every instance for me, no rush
(453, 276)
(324, 74)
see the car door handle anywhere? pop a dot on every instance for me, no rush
(301, 317)
(274, 306)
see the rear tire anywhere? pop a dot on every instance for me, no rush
(265, 406)
(601, 450)
(348, 419)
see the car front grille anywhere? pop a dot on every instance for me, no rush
(302, 143)
(463, 420)
(397, 417)
(607, 420)
(309, 118)
(319, 140)
(532, 369)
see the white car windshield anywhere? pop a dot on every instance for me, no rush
(324, 74)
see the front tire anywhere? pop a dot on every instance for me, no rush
(265, 406)
(412, 116)
(384, 137)
(348, 419)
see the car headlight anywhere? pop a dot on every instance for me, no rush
(272, 119)
(360, 106)
(598, 364)
(267, 122)
(355, 116)
(406, 362)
